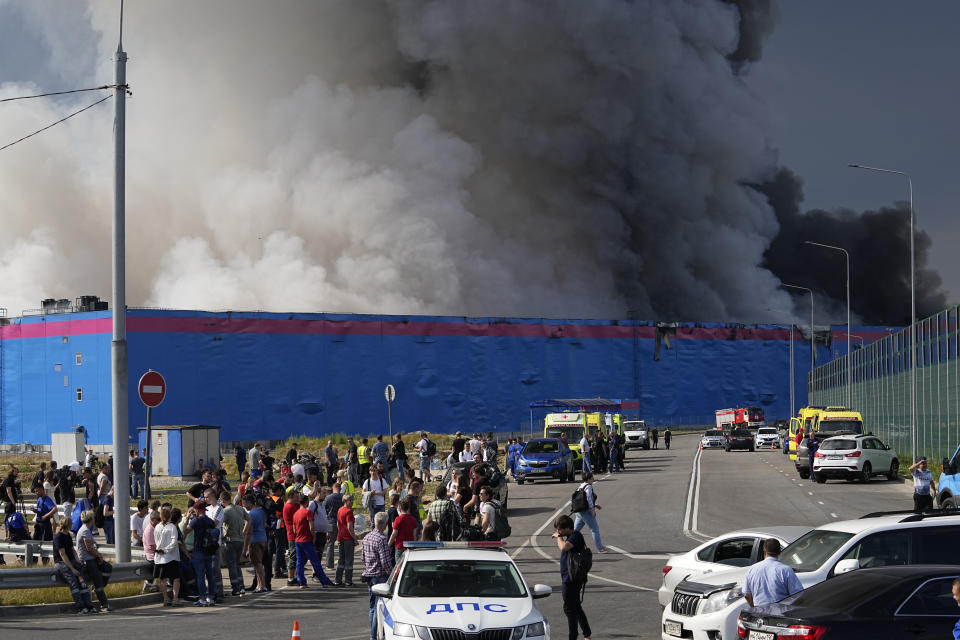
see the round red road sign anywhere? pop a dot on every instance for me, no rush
(152, 388)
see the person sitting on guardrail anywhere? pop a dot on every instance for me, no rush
(14, 523)
(11, 486)
(45, 512)
(95, 568)
(68, 566)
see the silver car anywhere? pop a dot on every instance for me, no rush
(713, 440)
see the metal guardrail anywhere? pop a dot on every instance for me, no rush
(48, 577)
(33, 550)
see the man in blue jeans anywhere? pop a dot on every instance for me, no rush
(200, 524)
(377, 564)
(585, 454)
(589, 517)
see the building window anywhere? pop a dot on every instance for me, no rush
(79, 394)
(79, 358)
(57, 367)
(66, 381)
(65, 339)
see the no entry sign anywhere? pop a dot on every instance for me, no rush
(152, 388)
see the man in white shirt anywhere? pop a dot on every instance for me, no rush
(254, 455)
(214, 511)
(136, 523)
(297, 469)
(421, 447)
(475, 444)
(585, 452)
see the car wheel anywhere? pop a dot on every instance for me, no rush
(894, 472)
(804, 474)
(820, 478)
(866, 472)
(751, 448)
(948, 504)
(520, 482)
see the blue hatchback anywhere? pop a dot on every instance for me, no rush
(545, 457)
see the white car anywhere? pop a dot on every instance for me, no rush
(855, 456)
(734, 549)
(713, 440)
(708, 608)
(767, 438)
(451, 591)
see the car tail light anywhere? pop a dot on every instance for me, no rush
(741, 630)
(666, 569)
(749, 437)
(803, 632)
(819, 455)
(855, 454)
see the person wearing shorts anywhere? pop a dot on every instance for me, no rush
(166, 559)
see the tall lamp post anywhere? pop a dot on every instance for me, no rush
(913, 311)
(849, 355)
(812, 337)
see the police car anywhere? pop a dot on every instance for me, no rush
(459, 591)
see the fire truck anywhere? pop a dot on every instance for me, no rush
(740, 418)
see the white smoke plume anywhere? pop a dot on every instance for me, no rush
(506, 157)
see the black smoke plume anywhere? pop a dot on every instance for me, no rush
(879, 247)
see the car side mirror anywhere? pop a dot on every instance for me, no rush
(382, 590)
(846, 566)
(541, 591)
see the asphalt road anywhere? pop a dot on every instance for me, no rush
(663, 503)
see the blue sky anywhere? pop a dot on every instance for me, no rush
(871, 82)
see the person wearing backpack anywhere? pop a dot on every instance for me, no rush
(493, 519)
(424, 447)
(588, 516)
(206, 543)
(575, 555)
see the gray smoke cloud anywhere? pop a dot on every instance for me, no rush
(499, 158)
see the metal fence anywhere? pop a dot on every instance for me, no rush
(880, 386)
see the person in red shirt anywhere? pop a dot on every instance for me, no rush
(303, 538)
(404, 526)
(347, 541)
(289, 510)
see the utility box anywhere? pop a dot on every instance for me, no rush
(68, 447)
(175, 450)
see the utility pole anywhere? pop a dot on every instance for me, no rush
(118, 347)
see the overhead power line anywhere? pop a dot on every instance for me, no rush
(64, 119)
(56, 93)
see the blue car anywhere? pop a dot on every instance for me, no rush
(545, 458)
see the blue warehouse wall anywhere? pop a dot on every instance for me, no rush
(260, 375)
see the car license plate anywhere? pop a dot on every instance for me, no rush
(673, 628)
(759, 635)
(834, 458)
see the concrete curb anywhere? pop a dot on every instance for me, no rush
(19, 611)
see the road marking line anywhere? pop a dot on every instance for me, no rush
(810, 493)
(833, 515)
(536, 547)
(819, 501)
(519, 549)
(691, 512)
(641, 556)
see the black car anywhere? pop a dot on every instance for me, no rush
(739, 439)
(908, 601)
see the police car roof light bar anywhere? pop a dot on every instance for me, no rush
(478, 544)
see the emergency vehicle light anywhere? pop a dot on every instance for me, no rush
(453, 545)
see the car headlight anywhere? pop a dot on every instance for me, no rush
(721, 600)
(535, 630)
(523, 461)
(409, 631)
(555, 460)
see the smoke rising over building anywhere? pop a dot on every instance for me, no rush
(592, 160)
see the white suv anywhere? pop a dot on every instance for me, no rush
(855, 456)
(707, 609)
(767, 438)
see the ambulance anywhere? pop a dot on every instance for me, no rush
(805, 420)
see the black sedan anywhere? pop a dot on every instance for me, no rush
(896, 602)
(740, 439)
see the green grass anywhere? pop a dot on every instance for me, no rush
(48, 595)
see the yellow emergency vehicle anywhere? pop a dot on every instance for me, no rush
(805, 419)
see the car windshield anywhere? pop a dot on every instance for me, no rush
(574, 434)
(542, 446)
(767, 431)
(840, 426)
(709, 434)
(810, 551)
(740, 433)
(833, 445)
(461, 578)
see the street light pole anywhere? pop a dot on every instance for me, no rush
(913, 311)
(849, 355)
(812, 337)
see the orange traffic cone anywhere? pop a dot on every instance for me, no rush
(296, 631)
